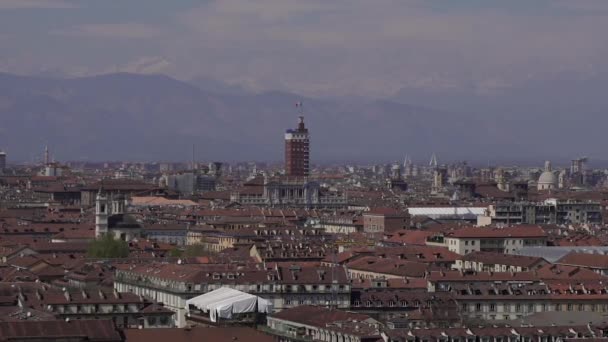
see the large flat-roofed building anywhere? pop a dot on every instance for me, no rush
(448, 213)
(500, 296)
(380, 220)
(550, 211)
(285, 287)
(189, 183)
(290, 192)
(318, 323)
(500, 240)
(113, 187)
(297, 157)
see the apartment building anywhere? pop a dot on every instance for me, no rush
(285, 287)
(499, 240)
(550, 211)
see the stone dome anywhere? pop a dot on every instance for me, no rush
(547, 179)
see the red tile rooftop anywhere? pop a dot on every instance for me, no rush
(197, 334)
(491, 258)
(555, 271)
(318, 316)
(78, 330)
(595, 261)
(397, 283)
(410, 237)
(578, 240)
(547, 272)
(416, 253)
(394, 267)
(384, 211)
(118, 185)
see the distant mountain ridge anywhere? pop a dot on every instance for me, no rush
(151, 117)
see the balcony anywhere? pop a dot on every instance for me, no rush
(295, 336)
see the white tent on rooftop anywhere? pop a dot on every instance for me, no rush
(224, 302)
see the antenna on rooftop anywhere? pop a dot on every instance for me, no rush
(300, 106)
(46, 155)
(193, 157)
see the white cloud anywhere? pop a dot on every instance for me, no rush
(344, 46)
(376, 46)
(145, 65)
(141, 65)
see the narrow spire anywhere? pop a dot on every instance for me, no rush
(46, 155)
(433, 162)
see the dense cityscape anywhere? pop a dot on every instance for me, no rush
(302, 252)
(303, 171)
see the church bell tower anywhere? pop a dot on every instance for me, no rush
(101, 214)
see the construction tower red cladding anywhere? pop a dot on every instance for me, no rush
(297, 153)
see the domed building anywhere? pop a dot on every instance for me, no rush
(547, 179)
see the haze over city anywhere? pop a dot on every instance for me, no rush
(484, 81)
(303, 170)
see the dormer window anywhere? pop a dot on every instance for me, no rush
(216, 276)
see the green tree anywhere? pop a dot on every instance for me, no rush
(196, 251)
(176, 253)
(108, 247)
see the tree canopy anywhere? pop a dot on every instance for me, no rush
(176, 252)
(108, 247)
(196, 251)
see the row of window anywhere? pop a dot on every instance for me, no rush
(88, 309)
(164, 320)
(392, 303)
(309, 301)
(478, 307)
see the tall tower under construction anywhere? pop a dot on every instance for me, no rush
(297, 153)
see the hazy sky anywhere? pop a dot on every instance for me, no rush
(339, 47)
